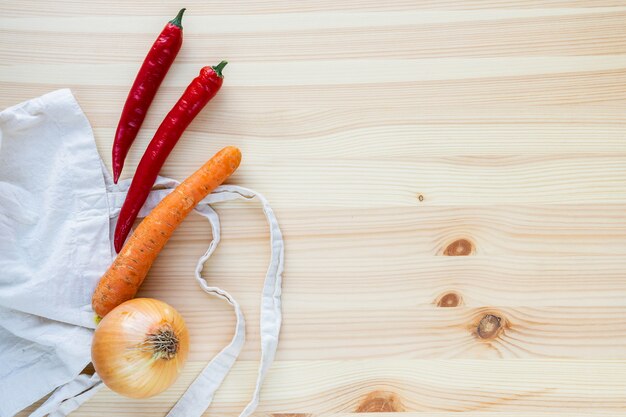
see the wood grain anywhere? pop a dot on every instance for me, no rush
(425, 387)
(450, 177)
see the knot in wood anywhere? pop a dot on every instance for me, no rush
(380, 402)
(489, 327)
(450, 299)
(460, 247)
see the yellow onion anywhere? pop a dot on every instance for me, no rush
(140, 347)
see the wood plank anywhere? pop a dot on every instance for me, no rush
(345, 72)
(298, 21)
(224, 7)
(577, 95)
(392, 35)
(470, 181)
(417, 332)
(421, 388)
(412, 138)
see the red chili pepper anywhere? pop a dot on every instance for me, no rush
(202, 89)
(150, 75)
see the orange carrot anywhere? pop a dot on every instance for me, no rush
(123, 278)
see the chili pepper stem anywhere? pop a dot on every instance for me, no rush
(219, 67)
(178, 20)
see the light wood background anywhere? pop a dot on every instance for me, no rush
(450, 177)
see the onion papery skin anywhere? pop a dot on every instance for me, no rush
(140, 347)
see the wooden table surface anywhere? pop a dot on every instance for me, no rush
(450, 177)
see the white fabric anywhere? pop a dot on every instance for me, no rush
(70, 396)
(58, 208)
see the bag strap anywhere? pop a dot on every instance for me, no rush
(70, 396)
(200, 393)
